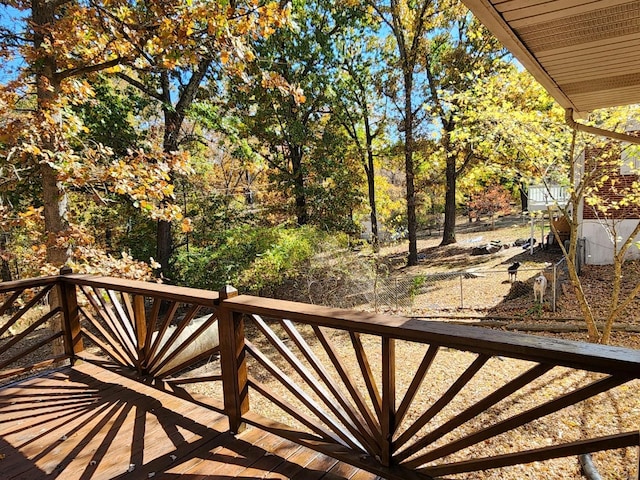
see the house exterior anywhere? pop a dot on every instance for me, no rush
(607, 216)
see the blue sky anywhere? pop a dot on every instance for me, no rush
(12, 20)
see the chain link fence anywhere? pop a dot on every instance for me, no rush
(473, 289)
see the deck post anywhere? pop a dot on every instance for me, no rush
(71, 316)
(233, 362)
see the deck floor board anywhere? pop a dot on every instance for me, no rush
(86, 422)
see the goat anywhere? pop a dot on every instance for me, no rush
(513, 271)
(539, 287)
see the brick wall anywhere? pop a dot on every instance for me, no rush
(606, 161)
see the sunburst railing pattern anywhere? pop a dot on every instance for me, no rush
(402, 398)
(157, 330)
(381, 391)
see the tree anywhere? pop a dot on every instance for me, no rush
(494, 200)
(409, 23)
(459, 53)
(360, 114)
(211, 32)
(285, 111)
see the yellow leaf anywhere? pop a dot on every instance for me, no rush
(186, 225)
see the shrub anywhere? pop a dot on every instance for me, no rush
(252, 258)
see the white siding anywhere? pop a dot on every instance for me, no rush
(599, 244)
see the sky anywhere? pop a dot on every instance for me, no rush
(10, 20)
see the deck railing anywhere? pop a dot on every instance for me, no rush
(400, 397)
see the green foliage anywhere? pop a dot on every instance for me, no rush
(110, 116)
(251, 258)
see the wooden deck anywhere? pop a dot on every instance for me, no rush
(85, 422)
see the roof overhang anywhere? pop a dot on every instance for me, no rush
(586, 54)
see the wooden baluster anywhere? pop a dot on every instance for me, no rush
(233, 362)
(140, 322)
(388, 420)
(71, 316)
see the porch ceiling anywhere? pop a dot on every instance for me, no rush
(585, 53)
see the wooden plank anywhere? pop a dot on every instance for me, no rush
(14, 318)
(166, 322)
(9, 301)
(154, 436)
(242, 452)
(155, 368)
(295, 463)
(151, 325)
(46, 449)
(518, 420)
(29, 350)
(91, 444)
(475, 410)
(71, 323)
(409, 395)
(367, 374)
(340, 470)
(373, 431)
(32, 327)
(316, 468)
(581, 355)
(114, 335)
(140, 323)
(334, 451)
(311, 423)
(233, 363)
(213, 457)
(111, 347)
(388, 421)
(149, 289)
(22, 370)
(274, 460)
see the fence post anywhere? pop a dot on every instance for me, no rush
(233, 362)
(461, 292)
(70, 316)
(395, 290)
(555, 286)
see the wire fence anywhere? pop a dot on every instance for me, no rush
(474, 289)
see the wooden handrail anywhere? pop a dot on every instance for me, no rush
(205, 298)
(568, 353)
(28, 283)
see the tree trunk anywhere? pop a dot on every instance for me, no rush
(53, 195)
(412, 223)
(5, 270)
(299, 187)
(524, 196)
(451, 177)
(164, 239)
(449, 229)
(55, 210)
(371, 183)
